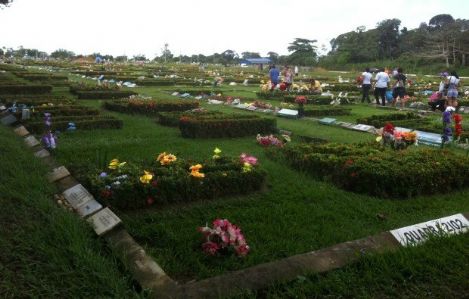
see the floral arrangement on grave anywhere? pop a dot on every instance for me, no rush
(223, 237)
(269, 140)
(457, 126)
(447, 132)
(300, 100)
(49, 139)
(398, 140)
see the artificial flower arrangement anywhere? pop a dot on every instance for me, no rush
(49, 139)
(301, 100)
(269, 140)
(168, 178)
(223, 237)
(398, 140)
(457, 126)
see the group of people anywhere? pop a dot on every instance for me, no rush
(445, 97)
(381, 83)
(287, 82)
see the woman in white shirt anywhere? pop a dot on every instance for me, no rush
(366, 85)
(381, 85)
(453, 82)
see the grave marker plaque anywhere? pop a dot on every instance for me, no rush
(103, 221)
(42, 153)
(21, 131)
(77, 196)
(89, 208)
(8, 120)
(58, 174)
(31, 141)
(419, 233)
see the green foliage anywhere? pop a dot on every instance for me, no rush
(312, 110)
(383, 172)
(25, 89)
(379, 121)
(150, 107)
(81, 123)
(171, 183)
(303, 52)
(218, 126)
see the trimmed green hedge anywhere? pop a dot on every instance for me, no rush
(325, 110)
(57, 111)
(219, 126)
(379, 121)
(104, 94)
(378, 171)
(123, 189)
(150, 107)
(25, 89)
(81, 123)
(171, 119)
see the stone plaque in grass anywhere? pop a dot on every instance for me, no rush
(31, 141)
(89, 208)
(57, 174)
(419, 233)
(8, 120)
(77, 196)
(21, 131)
(42, 153)
(327, 121)
(288, 113)
(103, 221)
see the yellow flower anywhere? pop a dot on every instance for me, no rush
(160, 156)
(146, 178)
(217, 151)
(197, 174)
(114, 164)
(196, 167)
(247, 167)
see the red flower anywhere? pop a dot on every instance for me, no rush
(353, 174)
(210, 248)
(457, 118)
(106, 193)
(242, 250)
(154, 183)
(150, 200)
(300, 100)
(388, 128)
(348, 162)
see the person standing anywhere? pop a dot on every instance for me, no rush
(453, 82)
(366, 85)
(273, 74)
(296, 71)
(288, 77)
(398, 90)
(382, 80)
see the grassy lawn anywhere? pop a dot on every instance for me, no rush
(295, 206)
(45, 251)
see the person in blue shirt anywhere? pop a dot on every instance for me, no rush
(274, 74)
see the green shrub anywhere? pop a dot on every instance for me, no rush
(379, 121)
(383, 172)
(81, 123)
(325, 110)
(171, 119)
(172, 183)
(25, 89)
(219, 126)
(150, 107)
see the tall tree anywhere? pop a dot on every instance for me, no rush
(388, 41)
(247, 55)
(5, 2)
(62, 54)
(273, 56)
(303, 51)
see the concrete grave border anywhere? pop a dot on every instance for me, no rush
(151, 276)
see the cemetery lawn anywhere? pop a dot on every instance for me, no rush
(46, 251)
(295, 214)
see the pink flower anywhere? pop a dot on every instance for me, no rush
(210, 248)
(244, 158)
(242, 250)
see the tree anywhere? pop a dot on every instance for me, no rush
(441, 20)
(229, 56)
(388, 40)
(247, 55)
(303, 51)
(62, 54)
(273, 56)
(5, 2)
(121, 58)
(166, 53)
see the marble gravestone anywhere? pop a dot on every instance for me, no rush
(103, 221)
(42, 153)
(77, 196)
(8, 120)
(31, 141)
(21, 131)
(89, 208)
(57, 174)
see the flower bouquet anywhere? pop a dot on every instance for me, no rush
(223, 237)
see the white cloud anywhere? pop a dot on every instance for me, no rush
(205, 26)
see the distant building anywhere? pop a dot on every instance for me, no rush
(256, 61)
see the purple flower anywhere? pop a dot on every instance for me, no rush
(103, 175)
(446, 117)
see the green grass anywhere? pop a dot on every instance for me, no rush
(437, 269)
(46, 251)
(295, 206)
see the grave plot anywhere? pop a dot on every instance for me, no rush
(170, 179)
(149, 107)
(99, 92)
(68, 117)
(379, 171)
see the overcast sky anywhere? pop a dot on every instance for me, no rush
(132, 27)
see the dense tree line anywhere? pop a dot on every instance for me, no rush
(444, 40)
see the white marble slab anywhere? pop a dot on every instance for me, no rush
(103, 221)
(77, 196)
